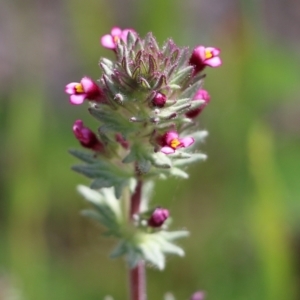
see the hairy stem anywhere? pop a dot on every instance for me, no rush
(137, 276)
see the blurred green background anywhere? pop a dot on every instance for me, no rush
(242, 205)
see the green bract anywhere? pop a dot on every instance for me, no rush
(136, 243)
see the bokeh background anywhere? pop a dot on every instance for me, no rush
(242, 205)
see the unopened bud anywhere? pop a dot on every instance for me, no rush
(158, 217)
(86, 137)
(159, 100)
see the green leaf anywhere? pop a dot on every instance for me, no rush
(112, 88)
(160, 160)
(174, 235)
(131, 157)
(113, 120)
(107, 69)
(101, 183)
(183, 58)
(196, 104)
(107, 210)
(191, 90)
(89, 172)
(131, 37)
(143, 165)
(87, 157)
(182, 75)
(153, 254)
(180, 155)
(194, 157)
(179, 173)
(119, 250)
(118, 188)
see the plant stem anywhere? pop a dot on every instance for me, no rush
(137, 276)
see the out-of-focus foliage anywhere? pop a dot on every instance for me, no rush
(241, 206)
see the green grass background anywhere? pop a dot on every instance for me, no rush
(241, 206)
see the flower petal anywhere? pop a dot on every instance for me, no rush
(116, 31)
(187, 141)
(70, 88)
(77, 99)
(88, 84)
(170, 135)
(214, 62)
(108, 42)
(78, 124)
(202, 95)
(167, 150)
(200, 51)
(214, 51)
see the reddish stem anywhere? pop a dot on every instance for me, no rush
(137, 276)
(135, 200)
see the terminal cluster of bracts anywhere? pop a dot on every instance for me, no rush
(147, 102)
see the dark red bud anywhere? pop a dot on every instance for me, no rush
(159, 100)
(158, 217)
(86, 137)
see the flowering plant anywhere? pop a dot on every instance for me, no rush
(146, 102)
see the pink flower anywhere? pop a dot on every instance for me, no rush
(205, 56)
(198, 296)
(85, 89)
(159, 100)
(110, 40)
(86, 137)
(200, 95)
(158, 217)
(172, 142)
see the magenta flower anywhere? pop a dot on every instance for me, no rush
(86, 137)
(85, 89)
(172, 142)
(110, 40)
(200, 95)
(159, 100)
(198, 296)
(158, 217)
(205, 56)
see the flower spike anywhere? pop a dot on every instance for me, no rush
(110, 40)
(86, 137)
(85, 89)
(172, 142)
(205, 56)
(144, 104)
(200, 95)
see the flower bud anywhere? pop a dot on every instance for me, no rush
(86, 137)
(200, 95)
(204, 56)
(159, 100)
(158, 217)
